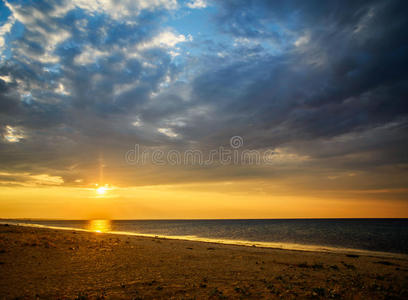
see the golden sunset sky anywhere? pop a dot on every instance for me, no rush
(297, 109)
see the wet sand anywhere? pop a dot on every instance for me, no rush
(59, 264)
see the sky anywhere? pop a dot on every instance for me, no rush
(203, 109)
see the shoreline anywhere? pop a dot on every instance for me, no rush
(267, 245)
(45, 263)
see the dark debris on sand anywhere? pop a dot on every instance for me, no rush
(51, 264)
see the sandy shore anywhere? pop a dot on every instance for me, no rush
(58, 264)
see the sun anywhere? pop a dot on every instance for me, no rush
(101, 190)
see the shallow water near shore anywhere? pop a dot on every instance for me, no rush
(344, 235)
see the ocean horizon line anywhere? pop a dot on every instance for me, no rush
(204, 219)
(244, 243)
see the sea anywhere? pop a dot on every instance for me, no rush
(344, 235)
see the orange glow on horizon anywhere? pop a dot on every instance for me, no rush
(221, 200)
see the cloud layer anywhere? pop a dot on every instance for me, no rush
(82, 81)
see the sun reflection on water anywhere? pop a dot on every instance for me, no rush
(100, 225)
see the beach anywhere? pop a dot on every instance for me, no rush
(46, 263)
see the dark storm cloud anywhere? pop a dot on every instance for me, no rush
(325, 80)
(350, 73)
